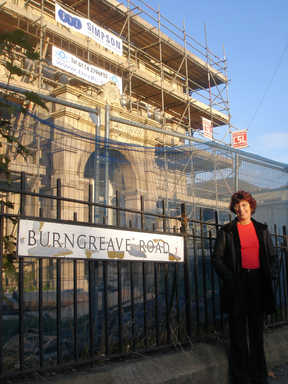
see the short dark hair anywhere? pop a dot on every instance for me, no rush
(242, 195)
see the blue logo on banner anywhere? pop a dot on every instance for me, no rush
(72, 21)
(115, 80)
(61, 55)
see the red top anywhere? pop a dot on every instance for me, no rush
(249, 246)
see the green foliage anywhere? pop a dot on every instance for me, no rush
(15, 49)
(17, 39)
(34, 98)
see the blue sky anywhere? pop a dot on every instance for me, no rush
(254, 34)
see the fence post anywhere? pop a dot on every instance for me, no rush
(164, 216)
(278, 286)
(58, 195)
(40, 312)
(196, 280)
(120, 307)
(117, 198)
(58, 311)
(22, 194)
(1, 287)
(186, 270)
(96, 162)
(142, 212)
(212, 281)
(285, 272)
(91, 291)
(203, 264)
(90, 202)
(21, 311)
(107, 154)
(217, 227)
(75, 312)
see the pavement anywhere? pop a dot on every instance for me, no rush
(201, 363)
(279, 374)
(276, 347)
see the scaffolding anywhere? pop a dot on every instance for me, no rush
(164, 69)
(139, 142)
(198, 173)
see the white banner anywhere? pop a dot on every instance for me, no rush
(88, 28)
(207, 128)
(46, 239)
(79, 68)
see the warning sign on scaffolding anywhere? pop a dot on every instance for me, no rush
(239, 139)
(207, 128)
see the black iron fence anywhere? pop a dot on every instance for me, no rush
(57, 311)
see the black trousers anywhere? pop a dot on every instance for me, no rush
(247, 356)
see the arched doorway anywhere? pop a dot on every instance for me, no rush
(110, 171)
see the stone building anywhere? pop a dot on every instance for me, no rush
(150, 88)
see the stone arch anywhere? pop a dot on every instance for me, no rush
(115, 165)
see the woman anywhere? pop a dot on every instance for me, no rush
(243, 258)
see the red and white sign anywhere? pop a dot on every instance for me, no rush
(239, 139)
(207, 128)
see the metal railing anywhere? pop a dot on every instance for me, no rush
(56, 311)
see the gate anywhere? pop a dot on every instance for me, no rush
(57, 311)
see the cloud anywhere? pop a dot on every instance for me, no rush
(273, 141)
(272, 145)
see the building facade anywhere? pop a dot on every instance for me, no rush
(143, 88)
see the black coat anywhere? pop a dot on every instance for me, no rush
(226, 260)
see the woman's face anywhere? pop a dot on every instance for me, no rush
(243, 211)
